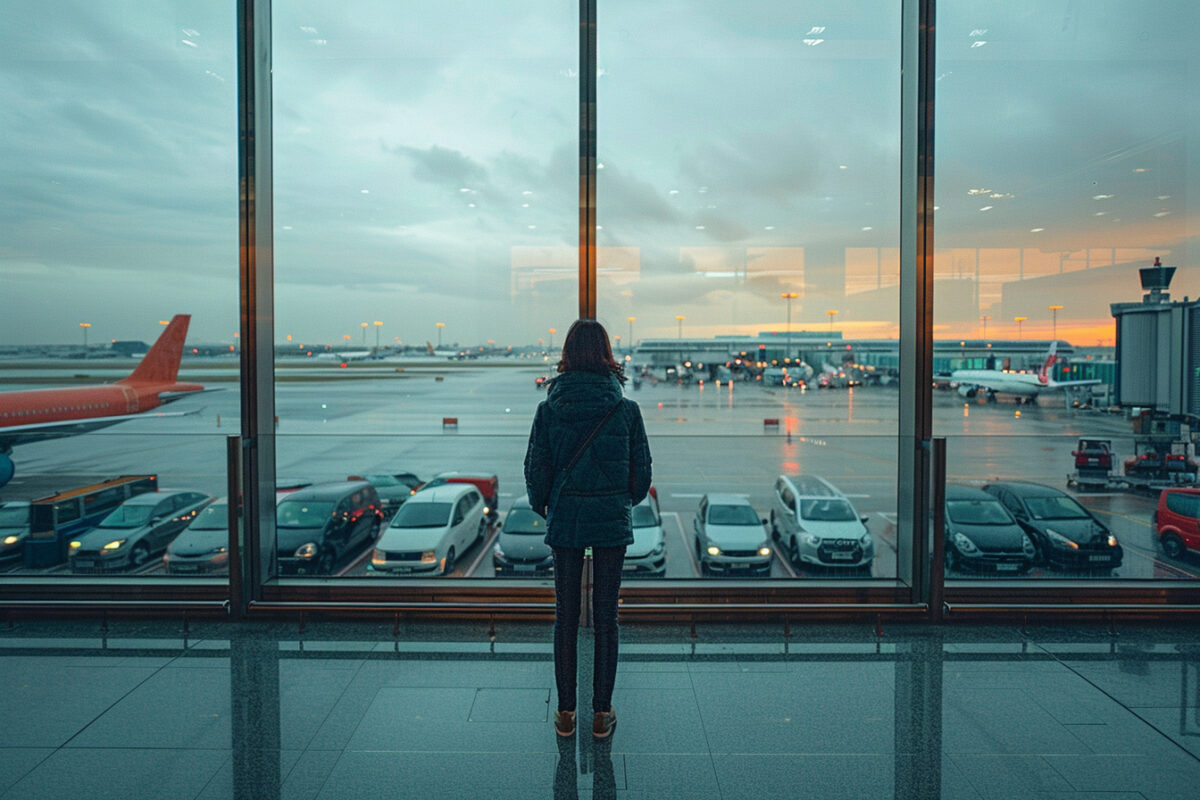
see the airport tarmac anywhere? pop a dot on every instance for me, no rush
(703, 439)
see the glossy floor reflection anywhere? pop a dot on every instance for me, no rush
(347, 710)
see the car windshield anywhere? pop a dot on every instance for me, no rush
(522, 520)
(128, 517)
(422, 515)
(827, 510)
(1059, 507)
(212, 518)
(14, 516)
(977, 512)
(384, 480)
(302, 514)
(732, 515)
(643, 517)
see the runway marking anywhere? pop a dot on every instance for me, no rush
(1134, 520)
(687, 547)
(485, 547)
(844, 494)
(686, 494)
(888, 517)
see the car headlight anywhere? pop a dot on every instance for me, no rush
(713, 550)
(378, 557)
(486, 511)
(1112, 540)
(11, 539)
(428, 557)
(1028, 547)
(964, 544)
(497, 551)
(306, 550)
(115, 544)
(76, 544)
(658, 548)
(1060, 540)
(764, 551)
(219, 550)
(865, 540)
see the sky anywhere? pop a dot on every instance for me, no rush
(426, 166)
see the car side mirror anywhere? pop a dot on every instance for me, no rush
(696, 523)
(764, 521)
(155, 520)
(864, 519)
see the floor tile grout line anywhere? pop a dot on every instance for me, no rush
(707, 744)
(1098, 688)
(28, 772)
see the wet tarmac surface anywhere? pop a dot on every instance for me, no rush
(704, 439)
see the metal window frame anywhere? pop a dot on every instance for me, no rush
(919, 591)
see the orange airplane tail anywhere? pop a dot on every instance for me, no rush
(161, 364)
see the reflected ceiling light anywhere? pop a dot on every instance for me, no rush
(1036, 230)
(287, 227)
(524, 205)
(701, 227)
(812, 42)
(599, 165)
(987, 208)
(1100, 214)
(527, 193)
(1102, 197)
(464, 189)
(1162, 213)
(980, 43)
(533, 227)
(308, 29)
(979, 191)
(975, 34)
(1140, 169)
(1001, 195)
(470, 205)
(842, 166)
(815, 29)
(365, 191)
(673, 191)
(867, 228)
(191, 33)
(1164, 197)
(769, 228)
(599, 227)
(935, 208)
(189, 44)
(703, 190)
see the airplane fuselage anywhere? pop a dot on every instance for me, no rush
(1025, 384)
(60, 405)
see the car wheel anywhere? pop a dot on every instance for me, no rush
(449, 565)
(139, 555)
(774, 527)
(794, 552)
(479, 534)
(375, 526)
(1173, 546)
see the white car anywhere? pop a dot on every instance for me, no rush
(730, 538)
(430, 531)
(647, 555)
(816, 524)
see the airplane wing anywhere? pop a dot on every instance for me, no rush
(1062, 384)
(40, 432)
(167, 397)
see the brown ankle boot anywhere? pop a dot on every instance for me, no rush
(564, 723)
(603, 723)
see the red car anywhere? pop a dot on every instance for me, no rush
(1177, 521)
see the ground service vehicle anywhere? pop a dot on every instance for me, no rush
(1093, 463)
(1177, 521)
(55, 520)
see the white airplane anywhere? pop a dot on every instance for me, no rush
(1027, 385)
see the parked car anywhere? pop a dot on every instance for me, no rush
(487, 484)
(981, 534)
(393, 488)
(203, 546)
(648, 554)
(1177, 521)
(520, 548)
(14, 530)
(730, 538)
(317, 526)
(430, 531)
(1065, 533)
(816, 524)
(135, 530)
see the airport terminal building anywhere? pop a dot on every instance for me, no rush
(286, 283)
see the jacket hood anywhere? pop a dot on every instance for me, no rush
(583, 395)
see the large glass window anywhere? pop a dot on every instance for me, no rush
(118, 164)
(1065, 154)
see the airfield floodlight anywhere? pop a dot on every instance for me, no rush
(833, 312)
(789, 296)
(377, 325)
(439, 326)
(1019, 320)
(552, 332)
(1054, 321)
(680, 318)
(85, 326)
(629, 341)
(984, 320)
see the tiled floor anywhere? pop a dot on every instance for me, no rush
(347, 710)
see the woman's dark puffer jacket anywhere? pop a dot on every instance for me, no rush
(594, 505)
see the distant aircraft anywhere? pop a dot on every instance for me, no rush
(40, 414)
(1026, 385)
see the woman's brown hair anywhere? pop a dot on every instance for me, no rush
(587, 348)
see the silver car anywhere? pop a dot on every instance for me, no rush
(647, 556)
(816, 524)
(730, 538)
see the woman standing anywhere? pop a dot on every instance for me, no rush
(587, 465)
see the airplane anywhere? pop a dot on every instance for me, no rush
(41, 414)
(1025, 385)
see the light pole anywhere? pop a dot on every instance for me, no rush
(680, 318)
(377, 325)
(1054, 322)
(984, 319)
(1019, 320)
(629, 341)
(789, 296)
(85, 326)
(552, 332)
(440, 325)
(832, 313)
(364, 327)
